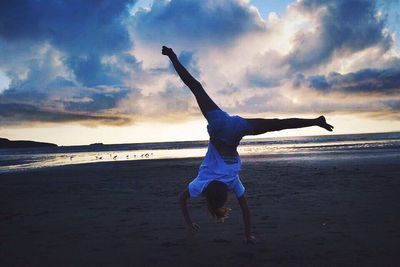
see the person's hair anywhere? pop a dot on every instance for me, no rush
(216, 194)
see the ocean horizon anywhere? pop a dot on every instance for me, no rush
(301, 147)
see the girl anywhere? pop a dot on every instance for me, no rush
(219, 170)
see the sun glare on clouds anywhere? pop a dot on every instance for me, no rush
(255, 58)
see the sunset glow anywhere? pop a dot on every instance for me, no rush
(97, 75)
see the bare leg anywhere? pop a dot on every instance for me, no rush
(261, 126)
(205, 103)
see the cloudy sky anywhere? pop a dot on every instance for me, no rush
(84, 71)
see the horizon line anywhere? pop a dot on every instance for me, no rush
(247, 138)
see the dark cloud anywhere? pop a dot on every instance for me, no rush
(344, 26)
(393, 104)
(319, 82)
(16, 113)
(29, 96)
(380, 81)
(59, 64)
(84, 31)
(101, 99)
(66, 98)
(75, 26)
(196, 22)
(262, 81)
(60, 82)
(270, 104)
(91, 72)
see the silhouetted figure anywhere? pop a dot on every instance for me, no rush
(219, 170)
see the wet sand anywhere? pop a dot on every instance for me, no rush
(335, 211)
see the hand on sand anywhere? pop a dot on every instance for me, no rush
(251, 240)
(195, 227)
(321, 122)
(167, 51)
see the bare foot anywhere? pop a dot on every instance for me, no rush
(167, 51)
(321, 122)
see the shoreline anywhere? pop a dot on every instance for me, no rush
(298, 155)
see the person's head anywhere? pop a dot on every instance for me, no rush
(216, 194)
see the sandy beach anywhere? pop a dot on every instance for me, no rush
(330, 211)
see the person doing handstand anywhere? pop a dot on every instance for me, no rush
(218, 173)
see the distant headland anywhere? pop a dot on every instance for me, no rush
(5, 143)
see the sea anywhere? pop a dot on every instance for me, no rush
(305, 147)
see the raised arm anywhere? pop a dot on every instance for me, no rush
(183, 197)
(249, 238)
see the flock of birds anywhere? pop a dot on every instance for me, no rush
(115, 157)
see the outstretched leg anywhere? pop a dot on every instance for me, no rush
(261, 126)
(205, 103)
